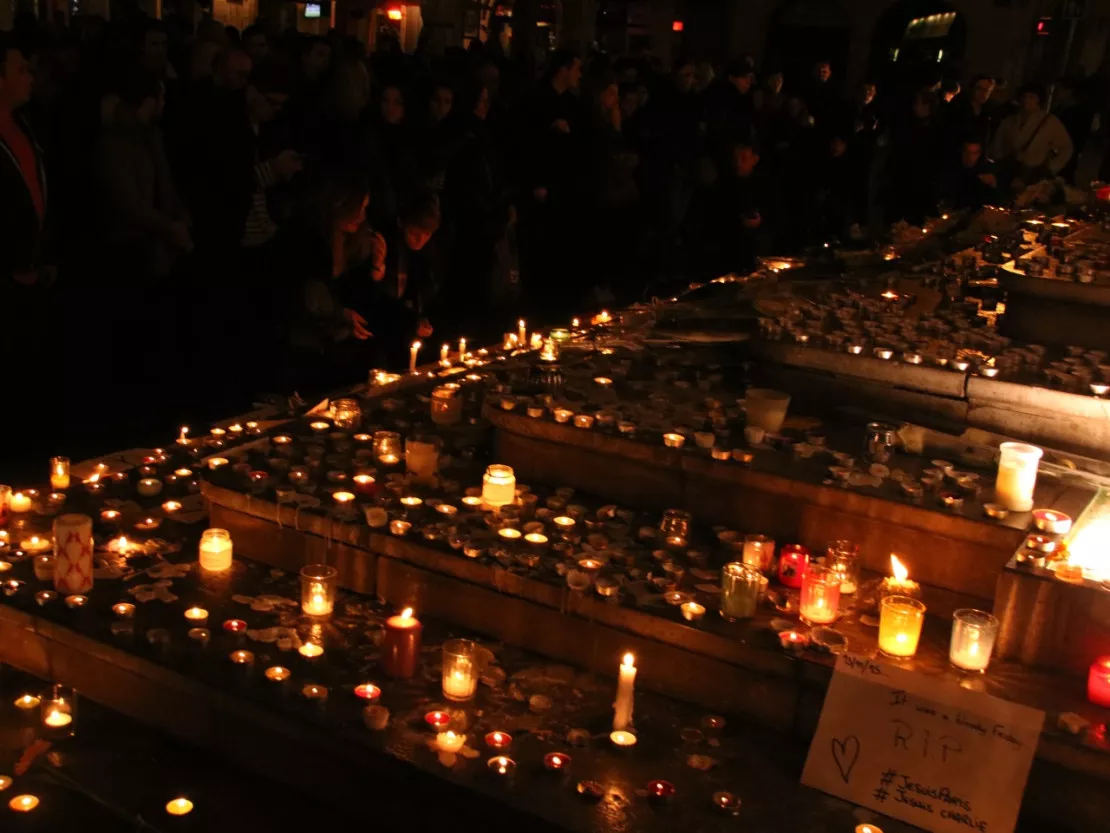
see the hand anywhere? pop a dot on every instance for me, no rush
(753, 221)
(180, 237)
(561, 125)
(286, 164)
(989, 179)
(424, 328)
(540, 194)
(358, 325)
(378, 250)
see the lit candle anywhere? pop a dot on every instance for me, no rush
(124, 610)
(182, 437)
(759, 552)
(498, 740)
(319, 426)
(171, 507)
(498, 486)
(23, 803)
(55, 718)
(556, 761)
(521, 333)
(179, 807)
(674, 440)
(820, 597)
(149, 487)
(216, 462)
(900, 621)
(35, 544)
(242, 657)
(462, 349)
(59, 473)
(367, 691)
(437, 719)
(444, 354)
(973, 635)
(792, 565)
(450, 741)
(215, 550)
(401, 645)
(460, 670)
(1098, 682)
(318, 589)
(622, 738)
(19, 502)
(27, 702)
(622, 708)
(602, 317)
(868, 828)
(310, 649)
(1051, 521)
(502, 766)
(197, 615)
(277, 673)
(1017, 476)
(900, 583)
(413, 351)
(692, 611)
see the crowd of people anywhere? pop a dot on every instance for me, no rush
(281, 211)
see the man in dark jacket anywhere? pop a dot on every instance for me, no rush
(23, 191)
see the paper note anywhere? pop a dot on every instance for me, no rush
(921, 749)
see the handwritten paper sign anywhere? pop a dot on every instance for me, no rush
(921, 749)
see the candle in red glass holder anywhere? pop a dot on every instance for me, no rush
(367, 691)
(498, 740)
(792, 565)
(660, 790)
(1098, 682)
(401, 647)
(437, 719)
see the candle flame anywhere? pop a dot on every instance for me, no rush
(406, 613)
(629, 660)
(416, 345)
(898, 568)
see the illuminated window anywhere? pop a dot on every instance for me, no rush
(933, 26)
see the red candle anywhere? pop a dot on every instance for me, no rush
(401, 647)
(792, 565)
(1098, 682)
(498, 740)
(437, 719)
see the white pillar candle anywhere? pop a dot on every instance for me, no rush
(462, 349)
(215, 550)
(412, 356)
(1017, 476)
(73, 554)
(521, 333)
(622, 707)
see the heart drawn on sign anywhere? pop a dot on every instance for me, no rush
(845, 753)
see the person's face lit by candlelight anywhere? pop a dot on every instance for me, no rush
(392, 105)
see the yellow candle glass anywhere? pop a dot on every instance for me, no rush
(900, 622)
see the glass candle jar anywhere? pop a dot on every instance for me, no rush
(1017, 476)
(741, 588)
(215, 550)
(59, 711)
(1098, 682)
(347, 413)
(973, 635)
(318, 585)
(446, 404)
(498, 486)
(759, 552)
(820, 598)
(792, 565)
(675, 527)
(387, 447)
(460, 669)
(843, 557)
(900, 621)
(59, 473)
(422, 458)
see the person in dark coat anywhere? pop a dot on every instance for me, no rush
(913, 165)
(973, 182)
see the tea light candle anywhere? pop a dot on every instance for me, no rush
(59, 473)
(674, 440)
(56, 717)
(367, 691)
(148, 523)
(171, 507)
(310, 649)
(973, 635)
(215, 550)
(124, 610)
(401, 645)
(364, 483)
(556, 761)
(437, 719)
(27, 702)
(234, 626)
(315, 692)
(19, 503)
(499, 740)
(149, 487)
(241, 657)
(1051, 521)
(277, 673)
(471, 501)
(868, 828)
(179, 807)
(583, 421)
(413, 351)
(692, 611)
(216, 462)
(509, 535)
(660, 790)
(450, 741)
(603, 381)
(462, 349)
(562, 415)
(199, 635)
(900, 583)
(35, 544)
(319, 426)
(622, 707)
(23, 803)
(900, 622)
(400, 528)
(1098, 682)
(197, 615)
(183, 435)
(77, 601)
(793, 641)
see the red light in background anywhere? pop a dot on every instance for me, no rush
(678, 26)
